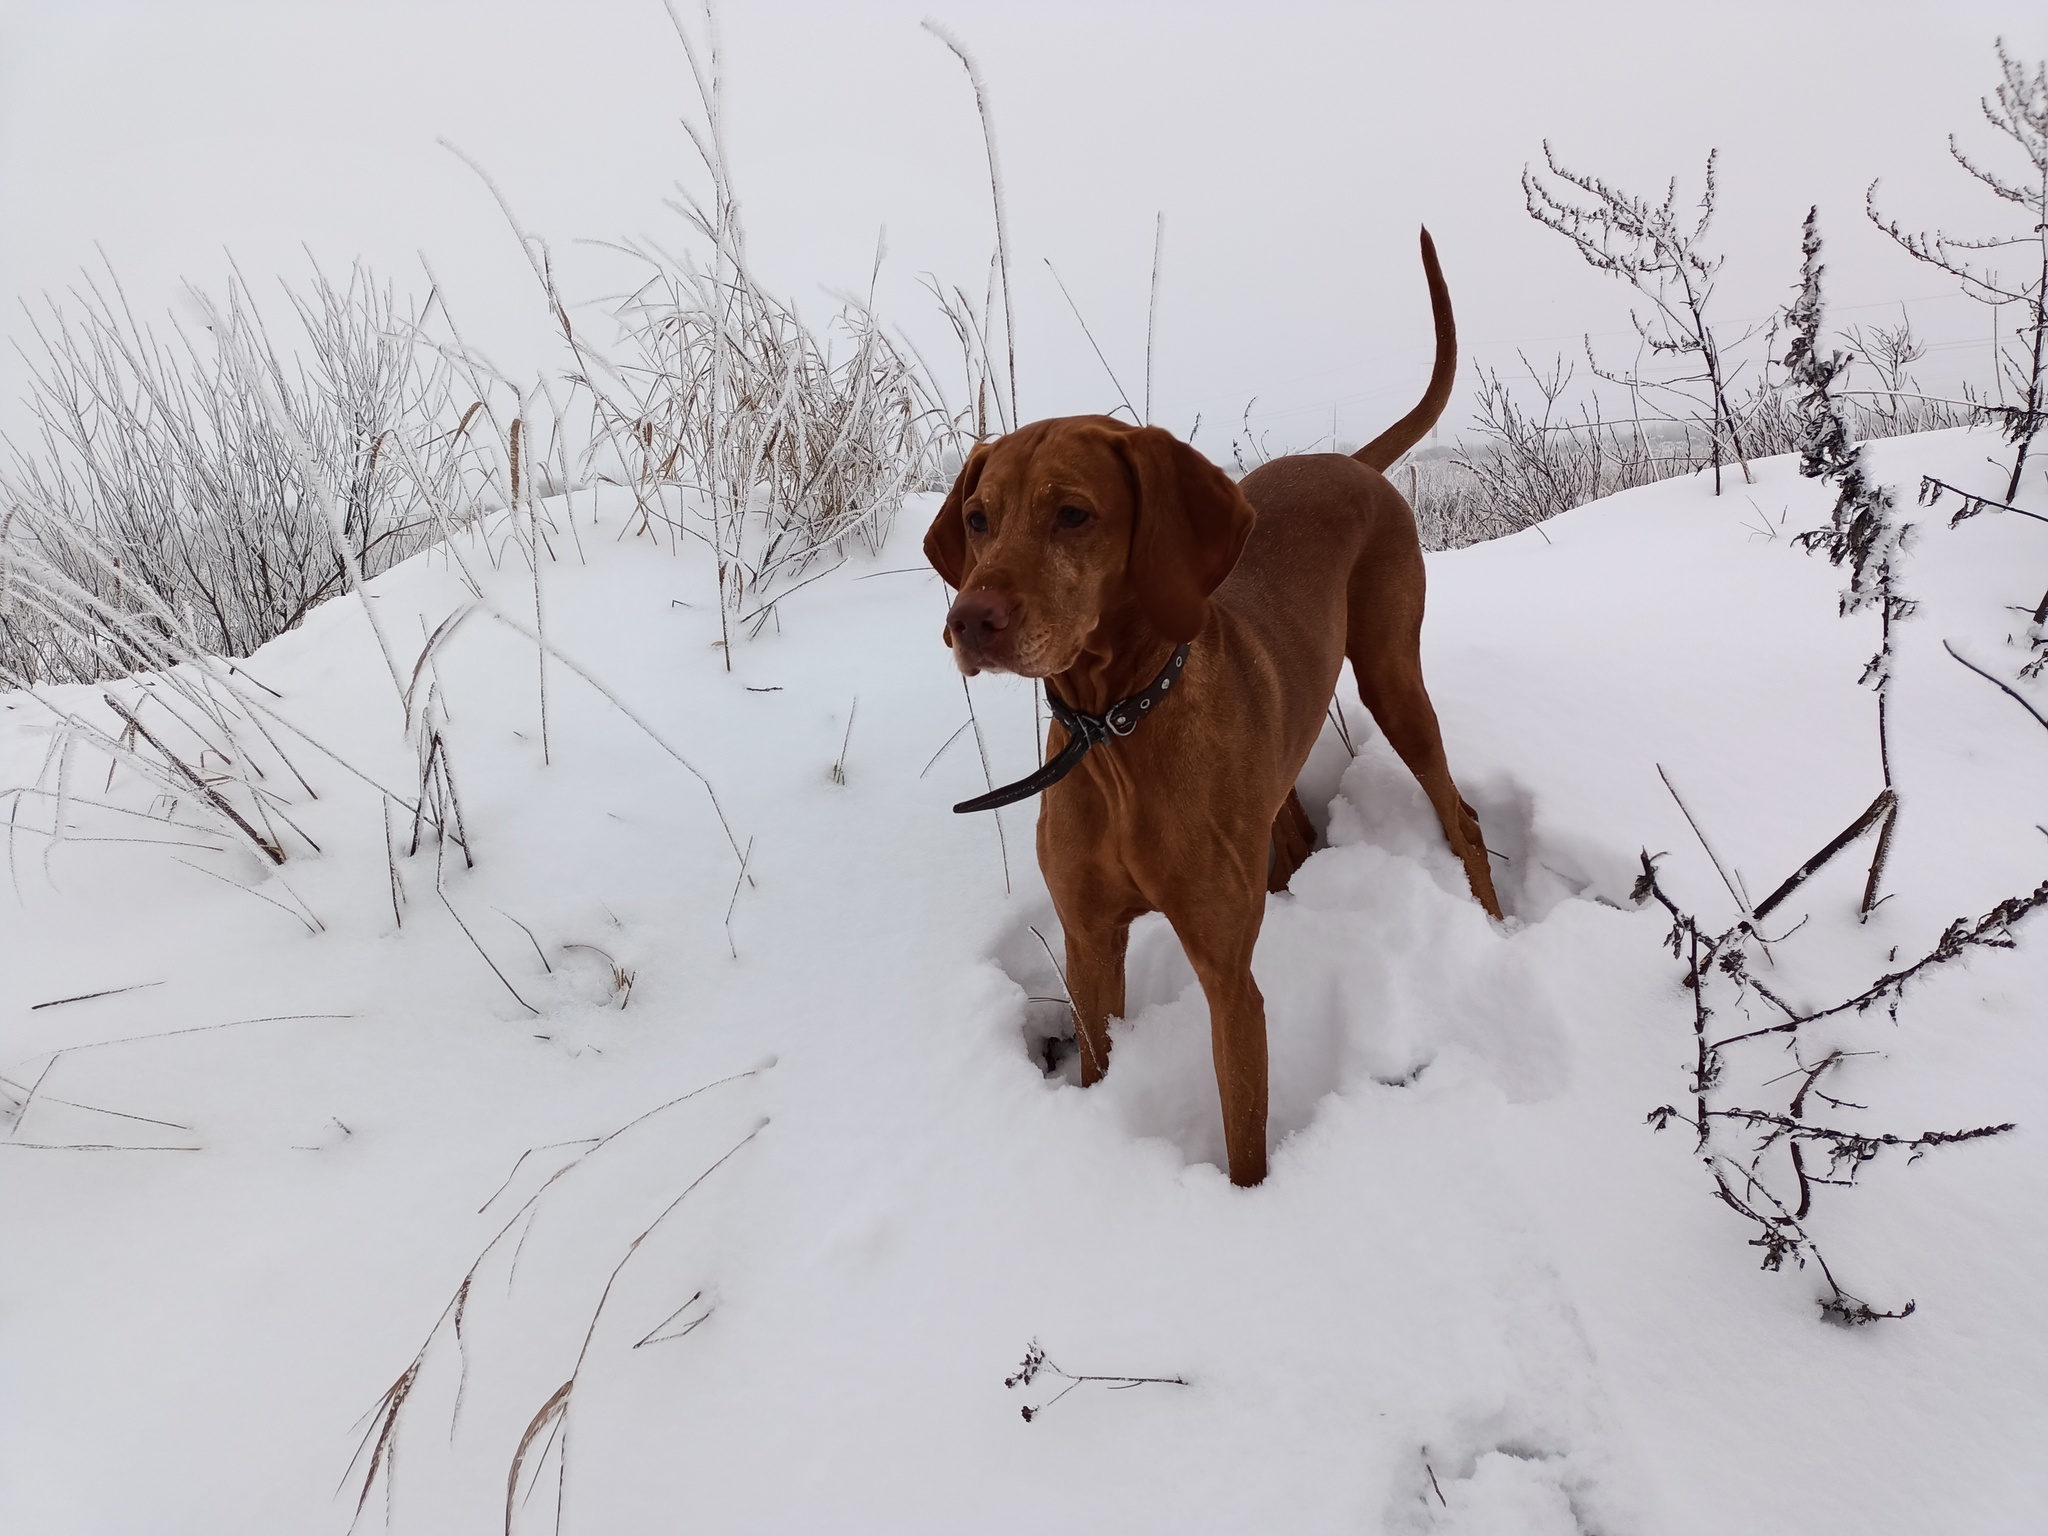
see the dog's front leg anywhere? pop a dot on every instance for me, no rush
(1218, 933)
(1095, 981)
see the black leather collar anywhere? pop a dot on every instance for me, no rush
(1084, 731)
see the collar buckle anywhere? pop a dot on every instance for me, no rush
(1086, 732)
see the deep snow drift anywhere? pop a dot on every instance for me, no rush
(1476, 1295)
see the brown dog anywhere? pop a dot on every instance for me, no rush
(1084, 552)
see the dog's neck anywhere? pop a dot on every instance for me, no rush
(1124, 656)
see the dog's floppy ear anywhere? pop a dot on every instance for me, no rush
(945, 542)
(1190, 527)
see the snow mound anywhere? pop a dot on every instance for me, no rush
(739, 1139)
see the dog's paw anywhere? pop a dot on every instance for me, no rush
(1032, 953)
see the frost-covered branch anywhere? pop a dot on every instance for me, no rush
(1659, 253)
(1736, 1141)
(2017, 109)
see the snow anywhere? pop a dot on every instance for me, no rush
(1477, 1293)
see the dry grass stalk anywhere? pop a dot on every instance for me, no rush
(621, 977)
(380, 1438)
(995, 190)
(1152, 306)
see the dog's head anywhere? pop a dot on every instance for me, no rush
(1064, 524)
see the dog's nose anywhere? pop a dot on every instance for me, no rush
(977, 618)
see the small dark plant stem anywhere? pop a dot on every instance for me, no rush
(732, 905)
(1878, 807)
(1882, 856)
(529, 938)
(522, 1002)
(1081, 320)
(1740, 905)
(2012, 694)
(86, 997)
(839, 768)
(1931, 490)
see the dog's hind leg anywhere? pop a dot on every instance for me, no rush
(1390, 685)
(1383, 638)
(1294, 837)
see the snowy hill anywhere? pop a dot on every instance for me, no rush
(1476, 1295)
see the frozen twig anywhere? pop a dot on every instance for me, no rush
(1036, 1363)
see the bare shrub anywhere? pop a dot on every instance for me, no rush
(1898, 407)
(2018, 110)
(161, 469)
(797, 447)
(1527, 460)
(724, 389)
(1449, 510)
(1653, 249)
(1534, 464)
(1769, 1163)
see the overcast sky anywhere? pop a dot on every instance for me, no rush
(1293, 149)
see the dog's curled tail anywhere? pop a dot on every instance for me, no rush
(1410, 429)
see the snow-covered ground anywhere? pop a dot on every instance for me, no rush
(1476, 1295)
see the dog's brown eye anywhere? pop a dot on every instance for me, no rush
(1073, 517)
(978, 521)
